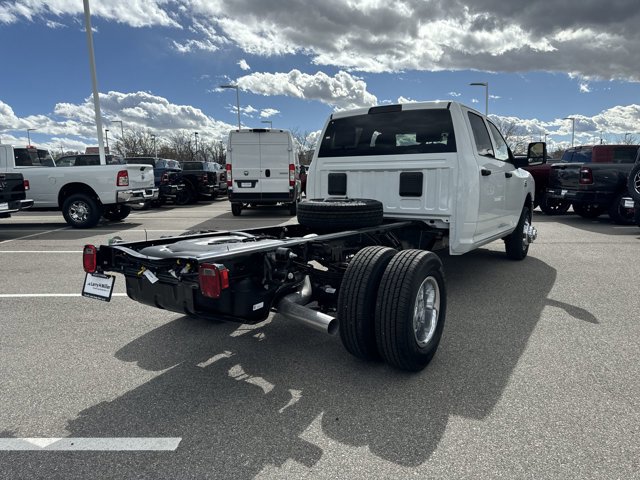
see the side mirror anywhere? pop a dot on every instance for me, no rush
(537, 153)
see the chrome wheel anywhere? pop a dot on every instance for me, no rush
(426, 311)
(79, 211)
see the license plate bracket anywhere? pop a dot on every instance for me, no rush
(98, 286)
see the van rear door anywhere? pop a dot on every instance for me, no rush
(245, 161)
(275, 154)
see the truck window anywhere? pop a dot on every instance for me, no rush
(390, 133)
(33, 157)
(480, 135)
(502, 150)
(625, 154)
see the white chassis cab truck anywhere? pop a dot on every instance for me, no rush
(84, 194)
(387, 185)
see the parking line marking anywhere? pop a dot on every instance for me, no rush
(34, 235)
(116, 444)
(31, 295)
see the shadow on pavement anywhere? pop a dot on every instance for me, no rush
(243, 398)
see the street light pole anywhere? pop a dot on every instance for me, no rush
(155, 152)
(269, 122)
(196, 137)
(237, 99)
(486, 95)
(573, 128)
(29, 136)
(106, 139)
(124, 151)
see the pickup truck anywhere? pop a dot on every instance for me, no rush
(84, 194)
(12, 194)
(539, 166)
(594, 179)
(198, 183)
(386, 187)
(167, 175)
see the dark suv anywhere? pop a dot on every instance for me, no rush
(167, 174)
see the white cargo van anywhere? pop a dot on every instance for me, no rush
(262, 169)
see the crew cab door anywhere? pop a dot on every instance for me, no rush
(492, 179)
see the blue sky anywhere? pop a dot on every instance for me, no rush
(159, 63)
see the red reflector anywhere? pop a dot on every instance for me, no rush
(229, 179)
(213, 279)
(123, 178)
(26, 184)
(586, 176)
(90, 258)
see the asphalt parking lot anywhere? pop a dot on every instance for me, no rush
(537, 375)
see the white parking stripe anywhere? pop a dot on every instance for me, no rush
(34, 235)
(31, 295)
(92, 444)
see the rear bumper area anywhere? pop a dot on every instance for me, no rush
(15, 206)
(260, 197)
(169, 190)
(580, 196)
(137, 195)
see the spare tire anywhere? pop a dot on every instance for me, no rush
(335, 214)
(633, 182)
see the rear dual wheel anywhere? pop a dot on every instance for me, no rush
(393, 306)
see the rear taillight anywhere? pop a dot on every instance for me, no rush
(123, 178)
(292, 175)
(229, 180)
(90, 258)
(205, 178)
(586, 176)
(26, 184)
(213, 279)
(164, 178)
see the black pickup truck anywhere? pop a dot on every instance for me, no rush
(13, 196)
(167, 175)
(594, 179)
(198, 183)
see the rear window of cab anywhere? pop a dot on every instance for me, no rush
(389, 133)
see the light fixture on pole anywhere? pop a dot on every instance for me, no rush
(237, 99)
(573, 128)
(106, 140)
(486, 94)
(29, 136)
(270, 122)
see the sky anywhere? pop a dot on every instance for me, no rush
(160, 65)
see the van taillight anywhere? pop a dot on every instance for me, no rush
(292, 175)
(123, 178)
(90, 258)
(213, 279)
(26, 184)
(586, 176)
(229, 181)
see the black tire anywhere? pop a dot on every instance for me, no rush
(236, 209)
(618, 213)
(588, 211)
(357, 301)
(633, 182)
(116, 213)
(552, 206)
(81, 211)
(339, 214)
(517, 243)
(186, 196)
(405, 340)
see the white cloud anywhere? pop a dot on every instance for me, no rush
(343, 90)
(194, 45)
(405, 100)
(454, 94)
(268, 112)
(244, 65)
(584, 88)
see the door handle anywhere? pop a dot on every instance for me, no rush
(508, 174)
(485, 172)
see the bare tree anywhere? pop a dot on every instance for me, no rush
(514, 135)
(304, 150)
(627, 139)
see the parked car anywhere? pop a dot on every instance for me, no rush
(198, 183)
(84, 193)
(594, 179)
(633, 187)
(13, 196)
(218, 178)
(262, 169)
(167, 175)
(539, 166)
